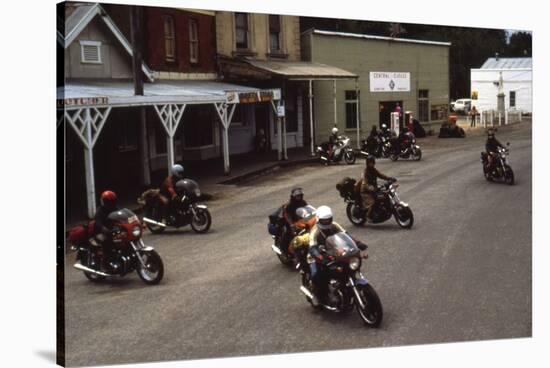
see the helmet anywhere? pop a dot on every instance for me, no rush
(334, 130)
(108, 198)
(324, 217)
(490, 132)
(384, 126)
(370, 158)
(177, 171)
(297, 194)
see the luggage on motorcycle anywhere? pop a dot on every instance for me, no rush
(346, 186)
(276, 221)
(148, 197)
(81, 233)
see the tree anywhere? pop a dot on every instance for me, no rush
(519, 45)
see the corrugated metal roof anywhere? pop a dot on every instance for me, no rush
(381, 38)
(122, 93)
(508, 63)
(301, 69)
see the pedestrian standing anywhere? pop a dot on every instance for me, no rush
(473, 115)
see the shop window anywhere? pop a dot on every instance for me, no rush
(274, 33)
(169, 39)
(423, 105)
(291, 111)
(512, 98)
(193, 41)
(198, 127)
(127, 136)
(239, 116)
(160, 140)
(241, 31)
(351, 109)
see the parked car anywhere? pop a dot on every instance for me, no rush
(462, 105)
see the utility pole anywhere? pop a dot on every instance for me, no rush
(137, 39)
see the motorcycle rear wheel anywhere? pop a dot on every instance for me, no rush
(154, 213)
(357, 221)
(155, 268)
(372, 314)
(85, 261)
(201, 222)
(394, 157)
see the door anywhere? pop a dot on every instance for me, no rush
(262, 120)
(385, 108)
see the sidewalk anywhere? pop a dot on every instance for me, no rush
(210, 177)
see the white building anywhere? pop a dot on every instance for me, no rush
(517, 77)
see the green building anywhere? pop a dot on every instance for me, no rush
(411, 73)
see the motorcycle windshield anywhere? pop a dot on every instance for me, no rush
(306, 213)
(123, 216)
(340, 245)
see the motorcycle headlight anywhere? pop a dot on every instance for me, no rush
(136, 231)
(354, 264)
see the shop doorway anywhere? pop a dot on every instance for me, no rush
(263, 110)
(385, 108)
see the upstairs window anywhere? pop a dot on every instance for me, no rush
(169, 39)
(512, 98)
(90, 52)
(241, 31)
(423, 105)
(351, 109)
(193, 41)
(274, 33)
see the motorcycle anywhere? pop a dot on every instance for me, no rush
(407, 148)
(184, 210)
(277, 226)
(342, 151)
(128, 254)
(345, 285)
(387, 204)
(501, 166)
(378, 146)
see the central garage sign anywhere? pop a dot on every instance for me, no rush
(390, 82)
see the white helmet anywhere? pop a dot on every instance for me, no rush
(324, 217)
(383, 126)
(177, 171)
(334, 130)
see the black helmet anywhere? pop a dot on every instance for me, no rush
(296, 194)
(370, 158)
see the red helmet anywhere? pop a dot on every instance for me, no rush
(108, 198)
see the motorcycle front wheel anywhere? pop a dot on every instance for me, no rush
(153, 271)
(351, 211)
(154, 213)
(349, 157)
(509, 176)
(417, 154)
(372, 313)
(85, 260)
(404, 217)
(201, 222)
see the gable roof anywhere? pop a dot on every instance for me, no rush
(508, 63)
(79, 19)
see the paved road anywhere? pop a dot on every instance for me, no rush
(462, 273)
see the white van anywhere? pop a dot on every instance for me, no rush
(462, 105)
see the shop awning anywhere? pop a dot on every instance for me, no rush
(121, 94)
(301, 70)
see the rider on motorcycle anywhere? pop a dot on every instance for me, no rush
(369, 184)
(324, 228)
(168, 190)
(296, 201)
(103, 226)
(332, 140)
(491, 146)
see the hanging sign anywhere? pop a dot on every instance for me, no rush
(281, 111)
(82, 101)
(390, 82)
(253, 97)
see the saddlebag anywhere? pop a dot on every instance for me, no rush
(346, 187)
(81, 233)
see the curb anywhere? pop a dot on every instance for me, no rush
(266, 170)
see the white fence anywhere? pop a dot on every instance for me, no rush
(490, 118)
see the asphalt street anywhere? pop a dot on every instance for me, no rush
(462, 273)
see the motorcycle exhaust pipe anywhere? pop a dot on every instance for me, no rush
(276, 250)
(80, 267)
(324, 158)
(153, 222)
(306, 292)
